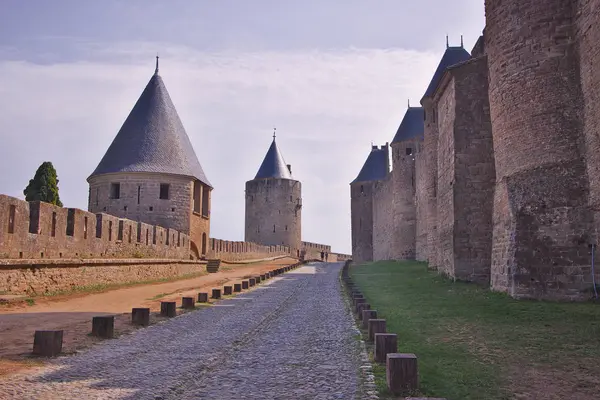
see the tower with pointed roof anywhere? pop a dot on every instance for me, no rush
(150, 172)
(274, 203)
(375, 169)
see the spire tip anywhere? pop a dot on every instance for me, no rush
(156, 70)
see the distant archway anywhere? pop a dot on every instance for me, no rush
(204, 243)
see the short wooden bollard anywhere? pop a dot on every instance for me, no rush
(366, 316)
(103, 326)
(202, 297)
(263, 277)
(168, 309)
(47, 343)
(401, 373)
(245, 284)
(360, 307)
(140, 316)
(385, 343)
(257, 279)
(227, 290)
(237, 287)
(216, 293)
(252, 282)
(376, 326)
(188, 303)
(359, 300)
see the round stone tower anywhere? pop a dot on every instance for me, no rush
(541, 223)
(274, 203)
(150, 172)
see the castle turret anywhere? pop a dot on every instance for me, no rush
(274, 203)
(453, 55)
(405, 144)
(150, 172)
(376, 168)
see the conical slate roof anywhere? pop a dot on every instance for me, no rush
(412, 125)
(452, 56)
(152, 139)
(273, 165)
(376, 167)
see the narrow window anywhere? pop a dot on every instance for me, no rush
(53, 230)
(197, 191)
(151, 208)
(98, 225)
(120, 233)
(154, 235)
(147, 236)
(178, 238)
(85, 226)
(273, 228)
(205, 201)
(286, 227)
(129, 236)
(164, 191)
(115, 190)
(408, 151)
(362, 189)
(70, 222)
(97, 192)
(167, 238)
(139, 192)
(109, 231)
(11, 218)
(139, 232)
(360, 223)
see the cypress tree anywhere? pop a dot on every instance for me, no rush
(44, 185)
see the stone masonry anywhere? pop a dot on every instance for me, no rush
(507, 186)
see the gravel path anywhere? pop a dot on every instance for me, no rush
(290, 338)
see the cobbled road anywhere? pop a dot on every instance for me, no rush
(292, 337)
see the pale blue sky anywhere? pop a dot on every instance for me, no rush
(331, 75)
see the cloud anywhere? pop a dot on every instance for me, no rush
(327, 106)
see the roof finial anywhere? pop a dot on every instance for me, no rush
(156, 70)
(274, 130)
(408, 103)
(461, 41)
(447, 43)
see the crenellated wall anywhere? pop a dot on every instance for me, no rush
(37, 230)
(240, 251)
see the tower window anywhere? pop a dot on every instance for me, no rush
(164, 191)
(197, 194)
(286, 227)
(115, 190)
(408, 151)
(273, 228)
(205, 201)
(11, 218)
(139, 192)
(362, 189)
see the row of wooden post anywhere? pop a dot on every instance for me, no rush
(401, 368)
(49, 343)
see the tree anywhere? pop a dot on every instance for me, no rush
(44, 185)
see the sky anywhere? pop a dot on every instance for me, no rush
(332, 76)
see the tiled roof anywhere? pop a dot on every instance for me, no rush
(453, 55)
(273, 165)
(376, 167)
(412, 125)
(152, 139)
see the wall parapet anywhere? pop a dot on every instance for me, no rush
(38, 230)
(228, 250)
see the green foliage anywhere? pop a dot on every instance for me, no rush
(44, 185)
(476, 344)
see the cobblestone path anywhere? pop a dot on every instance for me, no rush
(290, 338)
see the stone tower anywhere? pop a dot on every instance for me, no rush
(453, 55)
(150, 172)
(376, 168)
(274, 203)
(404, 146)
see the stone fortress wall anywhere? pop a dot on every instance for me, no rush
(507, 177)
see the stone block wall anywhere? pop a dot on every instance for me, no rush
(384, 224)
(361, 205)
(420, 203)
(241, 251)
(274, 212)
(37, 230)
(313, 250)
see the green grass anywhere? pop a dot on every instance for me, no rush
(476, 344)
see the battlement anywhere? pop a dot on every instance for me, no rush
(38, 230)
(237, 251)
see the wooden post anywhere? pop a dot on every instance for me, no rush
(140, 316)
(401, 373)
(263, 277)
(252, 282)
(257, 279)
(227, 290)
(359, 300)
(366, 316)
(360, 307)
(245, 284)
(376, 326)
(47, 343)
(169, 308)
(188, 303)
(385, 343)
(216, 293)
(103, 326)
(202, 297)
(237, 287)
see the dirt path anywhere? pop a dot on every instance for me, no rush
(73, 314)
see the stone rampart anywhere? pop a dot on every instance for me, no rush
(38, 230)
(227, 250)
